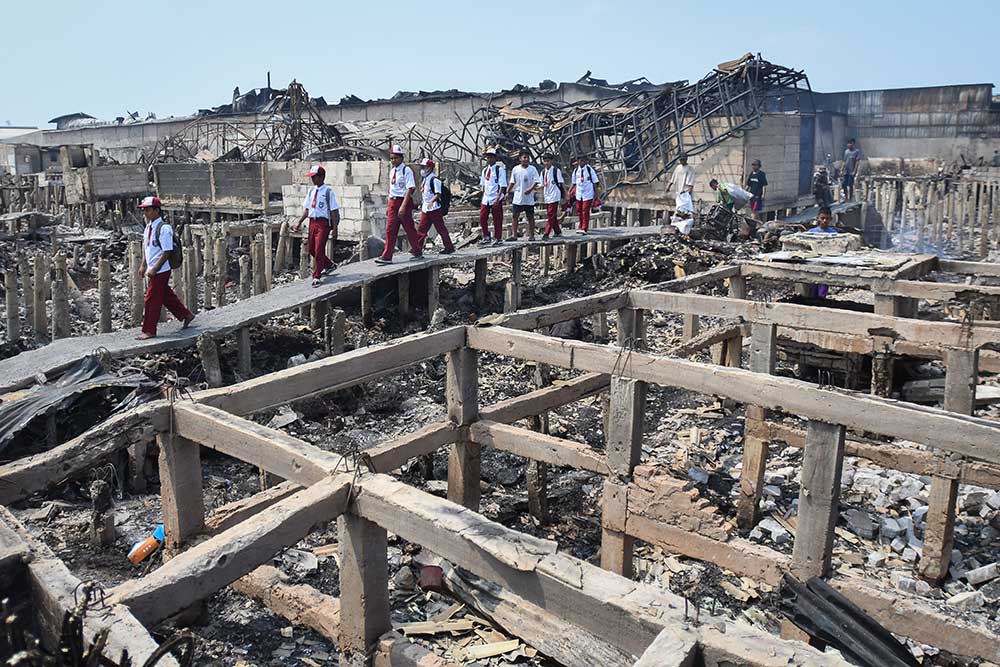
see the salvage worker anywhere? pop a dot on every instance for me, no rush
(157, 245)
(493, 181)
(552, 193)
(683, 178)
(401, 187)
(823, 219)
(585, 181)
(430, 210)
(320, 206)
(852, 162)
(731, 196)
(757, 185)
(524, 179)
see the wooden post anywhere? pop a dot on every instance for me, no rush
(734, 345)
(512, 291)
(268, 256)
(243, 352)
(403, 293)
(692, 325)
(570, 249)
(304, 269)
(545, 258)
(536, 472)
(221, 270)
(245, 277)
(27, 289)
(337, 336)
(190, 278)
(257, 255)
(601, 326)
(367, 304)
(763, 348)
(479, 293)
(819, 497)
(40, 325)
(282, 255)
(364, 589)
(462, 394)
(209, 353)
(318, 317)
(60, 300)
(961, 377)
(181, 493)
(433, 291)
(13, 315)
(209, 268)
(630, 327)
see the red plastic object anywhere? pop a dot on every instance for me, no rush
(430, 578)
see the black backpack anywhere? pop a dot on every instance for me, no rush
(445, 199)
(176, 255)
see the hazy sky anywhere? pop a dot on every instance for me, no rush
(172, 57)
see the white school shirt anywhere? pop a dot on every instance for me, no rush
(490, 179)
(316, 202)
(400, 180)
(521, 179)
(431, 186)
(551, 178)
(152, 252)
(584, 179)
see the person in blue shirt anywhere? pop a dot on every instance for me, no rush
(823, 219)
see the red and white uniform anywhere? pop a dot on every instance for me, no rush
(400, 211)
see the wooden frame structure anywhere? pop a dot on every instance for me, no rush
(622, 617)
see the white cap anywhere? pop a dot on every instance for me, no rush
(396, 150)
(490, 151)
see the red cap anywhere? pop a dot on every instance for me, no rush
(317, 169)
(150, 202)
(427, 162)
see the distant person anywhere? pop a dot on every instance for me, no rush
(524, 179)
(552, 194)
(157, 245)
(493, 181)
(996, 158)
(852, 162)
(682, 185)
(823, 219)
(320, 206)
(400, 212)
(431, 212)
(585, 181)
(821, 186)
(730, 196)
(757, 185)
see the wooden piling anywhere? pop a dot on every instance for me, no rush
(244, 356)
(403, 294)
(27, 289)
(40, 324)
(462, 395)
(221, 271)
(181, 492)
(364, 589)
(257, 256)
(245, 286)
(479, 288)
(433, 291)
(209, 353)
(281, 256)
(60, 300)
(763, 352)
(268, 256)
(819, 498)
(13, 314)
(208, 263)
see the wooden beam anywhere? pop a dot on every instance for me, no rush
(538, 446)
(694, 280)
(541, 400)
(462, 395)
(333, 373)
(969, 268)
(397, 452)
(181, 495)
(950, 334)
(299, 604)
(970, 436)
(364, 588)
(917, 289)
(230, 514)
(224, 558)
(669, 649)
(545, 316)
(272, 450)
(819, 500)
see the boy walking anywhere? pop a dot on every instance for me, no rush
(401, 187)
(523, 181)
(157, 244)
(493, 181)
(320, 206)
(430, 210)
(585, 181)
(552, 193)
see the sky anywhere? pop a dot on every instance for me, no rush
(107, 57)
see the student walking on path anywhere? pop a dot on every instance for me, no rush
(493, 181)
(524, 179)
(552, 194)
(321, 207)
(431, 211)
(585, 181)
(157, 246)
(401, 187)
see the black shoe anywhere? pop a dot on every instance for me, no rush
(317, 282)
(545, 237)
(328, 270)
(416, 258)
(447, 252)
(487, 241)
(497, 242)
(382, 260)
(557, 235)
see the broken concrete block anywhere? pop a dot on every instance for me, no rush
(991, 591)
(993, 500)
(898, 544)
(698, 475)
(778, 533)
(910, 555)
(861, 523)
(968, 601)
(876, 559)
(983, 574)
(891, 528)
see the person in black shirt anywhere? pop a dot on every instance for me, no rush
(757, 185)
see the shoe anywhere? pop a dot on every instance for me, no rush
(382, 260)
(487, 240)
(557, 235)
(187, 322)
(328, 270)
(317, 282)
(144, 336)
(446, 252)
(529, 238)
(416, 258)
(582, 232)
(545, 237)
(498, 242)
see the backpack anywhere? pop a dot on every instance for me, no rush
(176, 255)
(555, 180)
(445, 198)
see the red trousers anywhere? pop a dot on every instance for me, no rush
(158, 295)
(583, 210)
(436, 218)
(552, 218)
(319, 234)
(484, 212)
(400, 214)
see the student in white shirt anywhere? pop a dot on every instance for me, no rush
(552, 194)
(493, 181)
(585, 181)
(157, 243)
(401, 187)
(524, 179)
(320, 206)
(430, 211)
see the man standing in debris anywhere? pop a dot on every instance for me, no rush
(524, 179)
(585, 181)
(682, 182)
(401, 187)
(431, 212)
(823, 219)
(320, 206)
(493, 181)
(757, 184)
(852, 162)
(552, 193)
(157, 246)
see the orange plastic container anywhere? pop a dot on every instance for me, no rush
(142, 550)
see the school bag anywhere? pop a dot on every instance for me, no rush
(176, 255)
